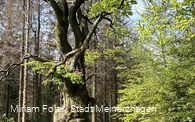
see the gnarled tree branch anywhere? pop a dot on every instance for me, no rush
(66, 57)
(85, 44)
(6, 72)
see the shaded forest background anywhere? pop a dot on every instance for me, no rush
(145, 63)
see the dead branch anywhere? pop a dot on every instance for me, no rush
(6, 72)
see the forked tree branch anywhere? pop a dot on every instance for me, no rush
(66, 57)
(85, 44)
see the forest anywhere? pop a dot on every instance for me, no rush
(97, 61)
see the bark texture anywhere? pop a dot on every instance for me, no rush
(75, 94)
(27, 20)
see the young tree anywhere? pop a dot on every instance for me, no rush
(37, 43)
(26, 51)
(162, 75)
(21, 67)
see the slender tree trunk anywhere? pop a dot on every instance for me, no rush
(37, 53)
(26, 60)
(111, 103)
(36, 87)
(94, 86)
(39, 98)
(39, 26)
(21, 67)
(49, 101)
(2, 99)
(116, 91)
(105, 81)
(35, 80)
(7, 101)
(94, 95)
(20, 91)
(104, 101)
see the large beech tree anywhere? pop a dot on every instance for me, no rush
(83, 20)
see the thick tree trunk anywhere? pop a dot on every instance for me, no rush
(74, 96)
(74, 59)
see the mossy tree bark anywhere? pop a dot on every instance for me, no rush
(73, 58)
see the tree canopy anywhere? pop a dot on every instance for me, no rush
(162, 74)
